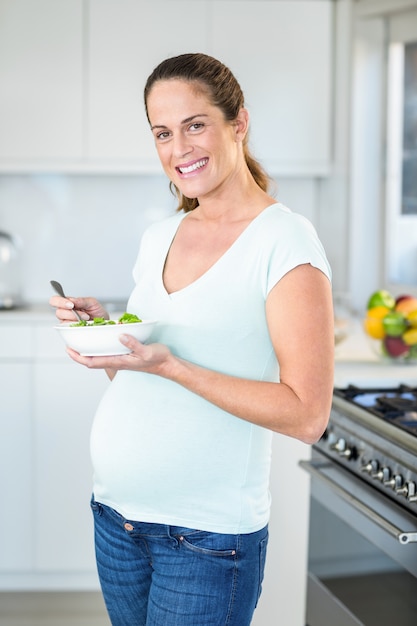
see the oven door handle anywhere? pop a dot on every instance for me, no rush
(314, 470)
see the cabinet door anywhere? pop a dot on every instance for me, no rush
(41, 78)
(128, 38)
(281, 54)
(66, 397)
(16, 467)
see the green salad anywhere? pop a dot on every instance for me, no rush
(126, 318)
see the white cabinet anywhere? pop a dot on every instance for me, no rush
(41, 78)
(73, 74)
(285, 75)
(127, 39)
(47, 406)
(16, 458)
(282, 56)
(16, 465)
(65, 397)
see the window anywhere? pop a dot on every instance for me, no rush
(409, 156)
(401, 196)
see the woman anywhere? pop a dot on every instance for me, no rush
(243, 347)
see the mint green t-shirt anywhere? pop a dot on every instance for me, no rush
(163, 454)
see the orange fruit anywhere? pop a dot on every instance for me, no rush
(373, 322)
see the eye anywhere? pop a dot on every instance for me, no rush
(196, 126)
(162, 135)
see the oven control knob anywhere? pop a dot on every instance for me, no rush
(408, 490)
(339, 446)
(384, 474)
(395, 482)
(350, 453)
(412, 491)
(331, 438)
(344, 450)
(371, 467)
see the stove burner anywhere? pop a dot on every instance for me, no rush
(396, 405)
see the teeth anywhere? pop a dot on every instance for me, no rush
(193, 167)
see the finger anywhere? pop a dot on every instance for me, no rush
(91, 306)
(61, 303)
(130, 342)
(98, 362)
(63, 312)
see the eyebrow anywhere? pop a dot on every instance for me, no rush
(187, 120)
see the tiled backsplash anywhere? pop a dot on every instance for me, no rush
(84, 230)
(81, 230)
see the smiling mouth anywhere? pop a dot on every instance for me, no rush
(192, 168)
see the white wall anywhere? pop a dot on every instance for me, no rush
(81, 230)
(85, 230)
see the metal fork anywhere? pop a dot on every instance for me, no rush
(58, 288)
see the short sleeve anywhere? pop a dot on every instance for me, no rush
(296, 242)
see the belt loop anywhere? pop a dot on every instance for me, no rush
(176, 540)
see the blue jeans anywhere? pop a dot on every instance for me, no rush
(159, 575)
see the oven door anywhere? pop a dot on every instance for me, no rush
(362, 552)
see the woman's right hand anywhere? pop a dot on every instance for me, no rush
(88, 308)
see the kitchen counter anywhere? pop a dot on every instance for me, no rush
(357, 363)
(355, 360)
(42, 312)
(27, 314)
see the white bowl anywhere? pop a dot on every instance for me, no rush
(103, 340)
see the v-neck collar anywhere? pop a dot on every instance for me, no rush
(212, 267)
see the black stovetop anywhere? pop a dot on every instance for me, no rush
(396, 405)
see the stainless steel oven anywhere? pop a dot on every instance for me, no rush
(363, 514)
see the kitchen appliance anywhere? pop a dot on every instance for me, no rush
(363, 513)
(10, 288)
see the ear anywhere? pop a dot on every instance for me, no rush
(241, 124)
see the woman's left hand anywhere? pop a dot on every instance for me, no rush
(151, 358)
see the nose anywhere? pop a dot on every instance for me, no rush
(181, 145)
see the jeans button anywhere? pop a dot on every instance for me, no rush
(128, 526)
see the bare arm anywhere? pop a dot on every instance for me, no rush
(303, 339)
(300, 320)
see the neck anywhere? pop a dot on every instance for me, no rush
(240, 199)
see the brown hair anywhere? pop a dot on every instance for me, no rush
(224, 92)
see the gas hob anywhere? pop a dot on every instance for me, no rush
(396, 406)
(372, 433)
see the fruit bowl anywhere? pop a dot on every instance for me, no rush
(102, 339)
(391, 325)
(384, 353)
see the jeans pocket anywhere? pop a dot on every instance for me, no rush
(208, 543)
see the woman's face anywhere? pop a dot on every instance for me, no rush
(199, 150)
